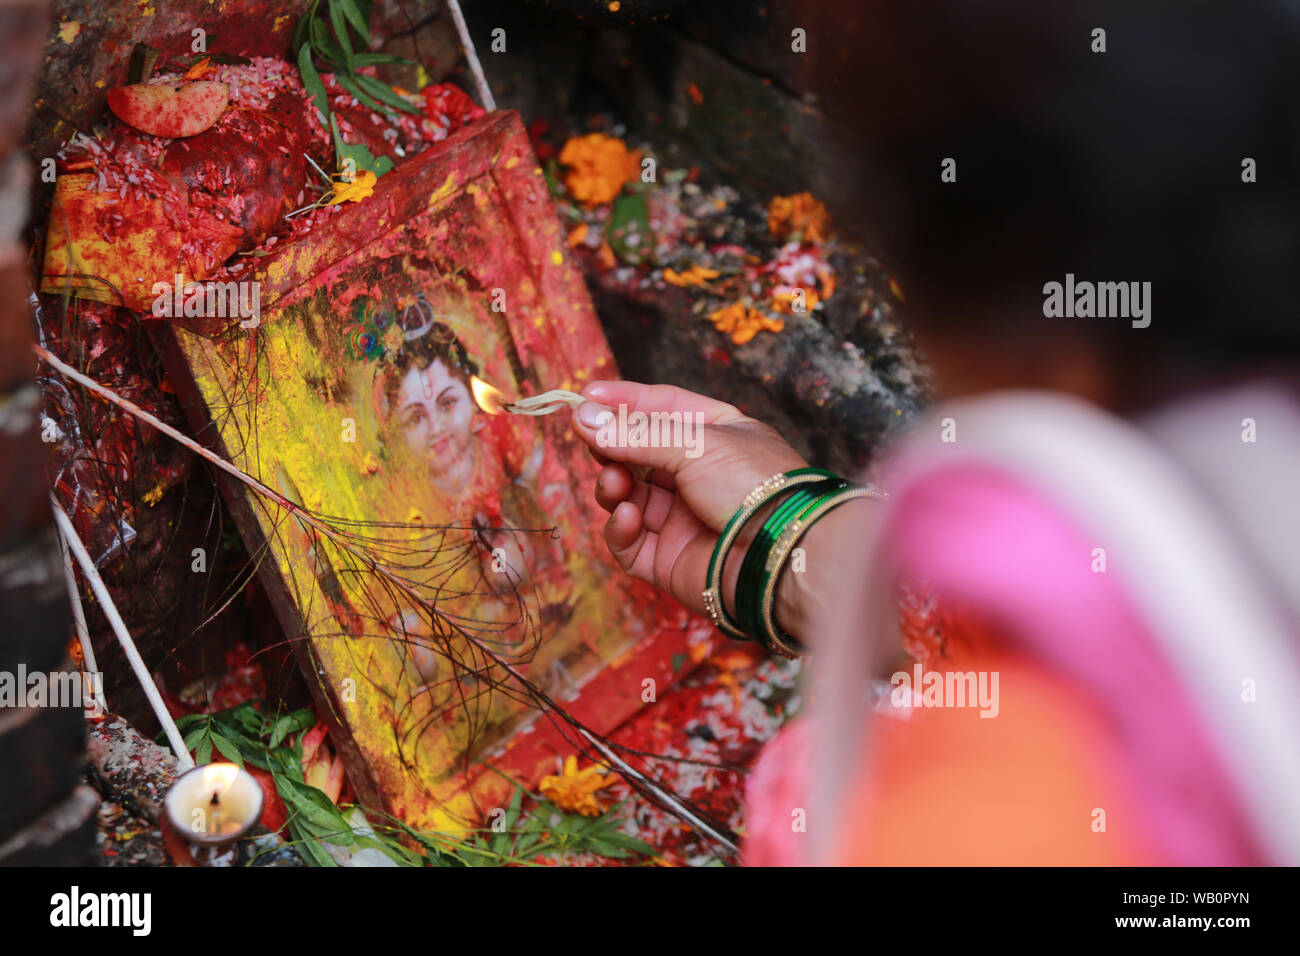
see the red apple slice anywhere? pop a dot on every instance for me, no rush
(164, 109)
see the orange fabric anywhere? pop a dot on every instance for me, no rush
(947, 787)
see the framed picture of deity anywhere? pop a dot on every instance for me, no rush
(437, 564)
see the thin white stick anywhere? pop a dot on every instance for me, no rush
(83, 632)
(484, 91)
(78, 550)
(328, 181)
(668, 798)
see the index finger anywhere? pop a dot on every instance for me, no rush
(639, 397)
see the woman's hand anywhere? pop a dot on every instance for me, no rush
(663, 527)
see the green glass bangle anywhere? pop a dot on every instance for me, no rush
(755, 554)
(761, 555)
(746, 578)
(790, 647)
(751, 570)
(752, 503)
(769, 634)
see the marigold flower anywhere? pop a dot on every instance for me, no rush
(800, 213)
(200, 69)
(783, 299)
(361, 186)
(743, 322)
(574, 791)
(827, 278)
(599, 165)
(694, 276)
(606, 256)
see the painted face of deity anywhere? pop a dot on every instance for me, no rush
(438, 419)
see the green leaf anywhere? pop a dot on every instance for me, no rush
(309, 849)
(372, 59)
(330, 50)
(301, 29)
(629, 228)
(341, 31)
(315, 811)
(382, 91)
(282, 727)
(360, 154)
(524, 848)
(677, 661)
(204, 753)
(604, 847)
(187, 721)
(237, 739)
(551, 173)
(311, 81)
(348, 84)
(500, 844)
(628, 842)
(391, 849)
(194, 736)
(247, 716)
(227, 749)
(287, 724)
(355, 17)
(512, 811)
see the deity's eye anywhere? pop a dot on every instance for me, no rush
(413, 416)
(449, 402)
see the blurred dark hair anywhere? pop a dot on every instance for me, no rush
(1117, 166)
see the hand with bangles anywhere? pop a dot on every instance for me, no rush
(665, 527)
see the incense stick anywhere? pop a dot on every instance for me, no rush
(73, 543)
(79, 619)
(545, 403)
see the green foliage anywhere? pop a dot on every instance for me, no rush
(359, 152)
(246, 736)
(525, 838)
(272, 742)
(629, 228)
(330, 39)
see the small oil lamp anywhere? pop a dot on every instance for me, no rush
(214, 804)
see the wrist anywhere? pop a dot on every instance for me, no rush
(810, 579)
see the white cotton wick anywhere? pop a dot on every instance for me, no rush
(545, 403)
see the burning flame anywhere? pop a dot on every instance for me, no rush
(488, 397)
(218, 778)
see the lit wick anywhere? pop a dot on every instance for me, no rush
(493, 401)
